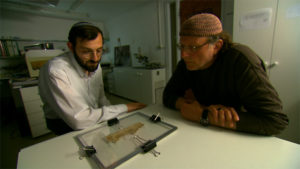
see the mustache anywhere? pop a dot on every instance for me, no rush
(95, 61)
(92, 61)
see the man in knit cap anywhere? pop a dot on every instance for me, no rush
(222, 84)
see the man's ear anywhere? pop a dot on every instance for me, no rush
(70, 46)
(218, 45)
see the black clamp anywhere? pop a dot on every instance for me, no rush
(149, 145)
(113, 121)
(89, 150)
(155, 118)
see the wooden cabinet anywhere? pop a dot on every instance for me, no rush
(142, 85)
(31, 104)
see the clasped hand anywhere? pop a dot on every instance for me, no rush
(219, 115)
(222, 116)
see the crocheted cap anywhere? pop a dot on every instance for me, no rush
(203, 25)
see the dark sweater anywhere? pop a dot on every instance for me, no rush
(236, 79)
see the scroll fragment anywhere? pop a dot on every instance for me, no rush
(114, 137)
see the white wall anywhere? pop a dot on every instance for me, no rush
(29, 26)
(22, 25)
(138, 28)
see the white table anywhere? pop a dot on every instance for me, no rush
(191, 146)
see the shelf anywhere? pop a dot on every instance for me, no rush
(11, 57)
(14, 46)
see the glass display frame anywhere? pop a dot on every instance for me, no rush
(130, 133)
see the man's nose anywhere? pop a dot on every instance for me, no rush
(95, 56)
(184, 54)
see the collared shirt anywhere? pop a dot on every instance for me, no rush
(69, 94)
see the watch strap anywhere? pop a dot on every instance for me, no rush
(204, 118)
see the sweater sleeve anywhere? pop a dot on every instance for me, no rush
(262, 108)
(175, 87)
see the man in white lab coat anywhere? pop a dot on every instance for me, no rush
(71, 85)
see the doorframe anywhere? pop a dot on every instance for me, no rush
(172, 36)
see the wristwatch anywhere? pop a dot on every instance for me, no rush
(204, 118)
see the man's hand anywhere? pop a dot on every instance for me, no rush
(191, 110)
(222, 116)
(135, 106)
(189, 107)
(187, 98)
(218, 115)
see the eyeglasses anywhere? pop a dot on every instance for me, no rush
(190, 48)
(88, 52)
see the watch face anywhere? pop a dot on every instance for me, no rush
(204, 122)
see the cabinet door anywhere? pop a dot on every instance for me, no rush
(34, 112)
(125, 82)
(279, 42)
(286, 75)
(134, 84)
(36, 119)
(39, 129)
(33, 106)
(30, 93)
(144, 86)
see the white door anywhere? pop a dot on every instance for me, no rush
(271, 29)
(286, 75)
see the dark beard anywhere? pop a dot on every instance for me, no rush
(85, 66)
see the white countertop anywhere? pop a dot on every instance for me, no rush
(190, 146)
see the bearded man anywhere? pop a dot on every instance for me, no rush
(71, 85)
